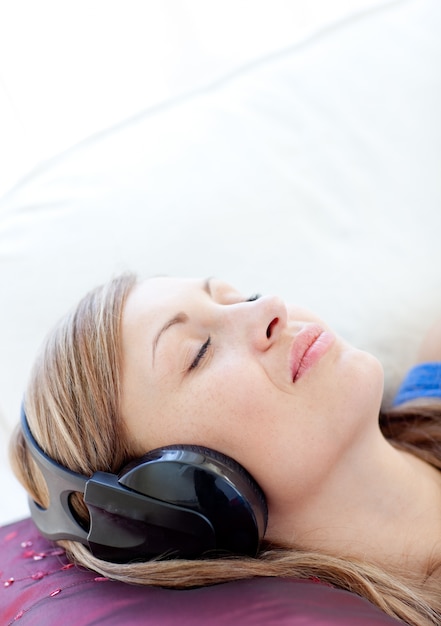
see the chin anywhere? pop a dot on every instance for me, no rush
(370, 377)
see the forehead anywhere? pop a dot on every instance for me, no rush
(153, 300)
(148, 305)
(155, 294)
(158, 291)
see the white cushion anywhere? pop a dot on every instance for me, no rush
(314, 174)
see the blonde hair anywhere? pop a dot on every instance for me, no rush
(72, 404)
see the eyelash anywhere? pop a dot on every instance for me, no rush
(204, 348)
(200, 355)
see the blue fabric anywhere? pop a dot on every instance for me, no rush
(422, 381)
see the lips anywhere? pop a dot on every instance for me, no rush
(310, 344)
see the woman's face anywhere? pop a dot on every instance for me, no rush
(265, 383)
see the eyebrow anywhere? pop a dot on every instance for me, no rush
(180, 318)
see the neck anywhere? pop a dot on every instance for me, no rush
(380, 504)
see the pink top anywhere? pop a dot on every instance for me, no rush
(39, 587)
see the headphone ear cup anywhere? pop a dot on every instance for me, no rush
(208, 482)
(237, 471)
(179, 501)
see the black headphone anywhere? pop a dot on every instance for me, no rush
(180, 501)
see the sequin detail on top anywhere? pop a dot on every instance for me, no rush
(55, 557)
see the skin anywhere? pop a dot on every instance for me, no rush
(331, 480)
(430, 349)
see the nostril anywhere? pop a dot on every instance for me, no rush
(270, 328)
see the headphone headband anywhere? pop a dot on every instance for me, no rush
(178, 501)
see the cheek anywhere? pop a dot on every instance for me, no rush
(235, 397)
(228, 408)
(295, 441)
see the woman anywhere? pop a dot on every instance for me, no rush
(140, 365)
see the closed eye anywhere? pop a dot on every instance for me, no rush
(200, 355)
(204, 348)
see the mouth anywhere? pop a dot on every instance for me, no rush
(309, 345)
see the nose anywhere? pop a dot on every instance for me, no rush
(260, 321)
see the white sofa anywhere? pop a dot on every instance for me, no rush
(313, 171)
